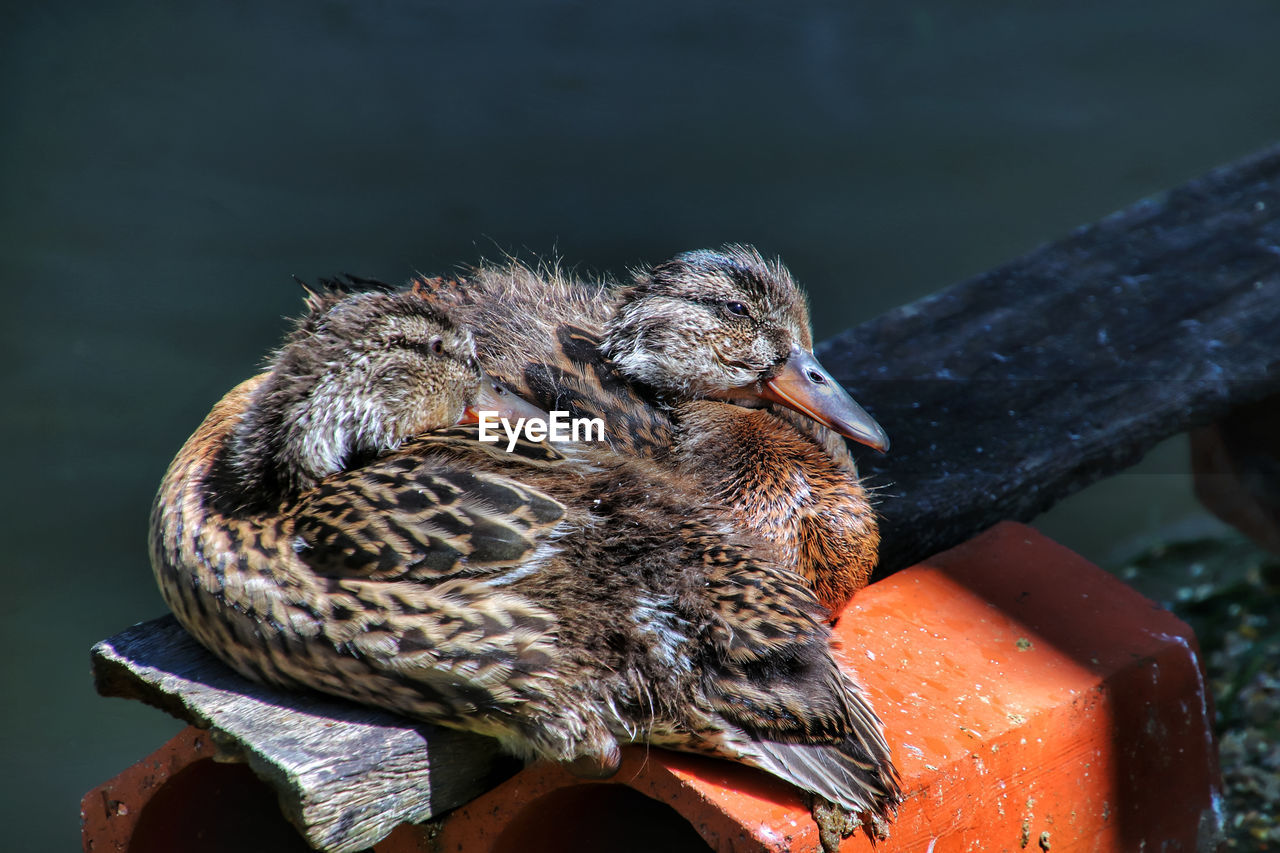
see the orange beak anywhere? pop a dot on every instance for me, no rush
(497, 397)
(805, 386)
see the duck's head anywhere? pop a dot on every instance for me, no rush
(729, 325)
(359, 374)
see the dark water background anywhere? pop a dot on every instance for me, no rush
(165, 168)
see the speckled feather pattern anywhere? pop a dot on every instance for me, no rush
(562, 601)
(784, 476)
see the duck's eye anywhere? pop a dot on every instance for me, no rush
(737, 309)
(437, 346)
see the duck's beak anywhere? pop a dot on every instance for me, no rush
(805, 386)
(495, 396)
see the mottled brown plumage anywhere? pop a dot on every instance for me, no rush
(786, 489)
(672, 364)
(562, 602)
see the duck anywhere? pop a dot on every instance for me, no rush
(335, 524)
(704, 363)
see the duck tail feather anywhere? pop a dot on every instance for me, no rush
(847, 777)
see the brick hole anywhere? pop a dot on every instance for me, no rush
(598, 817)
(209, 807)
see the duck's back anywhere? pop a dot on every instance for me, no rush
(786, 478)
(539, 331)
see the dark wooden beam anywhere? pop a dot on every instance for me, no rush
(1008, 392)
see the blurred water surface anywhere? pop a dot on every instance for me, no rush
(165, 169)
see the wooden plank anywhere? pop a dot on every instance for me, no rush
(1002, 394)
(1008, 392)
(346, 775)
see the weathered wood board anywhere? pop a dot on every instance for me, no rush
(1008, 392)
(346, 775)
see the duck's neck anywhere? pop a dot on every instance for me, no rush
(830, 441)
(716, 429)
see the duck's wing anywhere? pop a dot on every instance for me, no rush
(808, 722)
(540, 333)
(412, 553)
(424, 514)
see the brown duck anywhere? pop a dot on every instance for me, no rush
(311, 535)
(704, 363)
